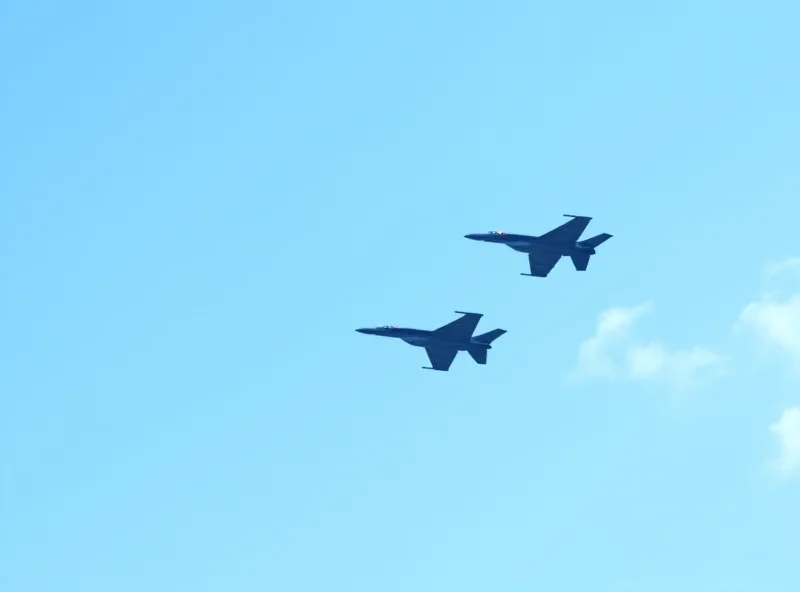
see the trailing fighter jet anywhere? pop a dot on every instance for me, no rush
(444, 343)
(546, 250)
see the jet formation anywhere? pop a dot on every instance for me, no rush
(544, 252)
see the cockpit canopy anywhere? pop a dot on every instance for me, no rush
(390, 327)
(496, 232)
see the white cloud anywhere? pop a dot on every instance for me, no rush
(683, 367)
(776, 323)
(613, 327)
(787, 431)
(612, 352)
(776, 268)
(775, 320)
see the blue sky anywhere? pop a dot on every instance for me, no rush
(201, 202)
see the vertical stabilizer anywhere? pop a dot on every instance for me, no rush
(595, 241)
(489, 336)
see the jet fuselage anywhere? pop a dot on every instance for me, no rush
(528, 244)
(422, 338)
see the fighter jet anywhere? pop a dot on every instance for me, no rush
(546, 250)
(444, 343)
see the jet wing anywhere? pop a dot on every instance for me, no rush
(542, 262)
(441, 358)
(569, 232)
(460, 329)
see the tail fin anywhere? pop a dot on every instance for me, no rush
(596, 241)
(478, 354)
(489, 336)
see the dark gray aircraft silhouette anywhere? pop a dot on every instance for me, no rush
(546, 250)
(444, 343)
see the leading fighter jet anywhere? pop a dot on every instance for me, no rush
(546, 250)
(444, 343)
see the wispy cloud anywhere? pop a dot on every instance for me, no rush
(613, 327)
(776, 268)
(613, 352)
(787, 432)
(683, 368)
(775, 320)
(776, 323)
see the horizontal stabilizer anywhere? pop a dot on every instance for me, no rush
(580, 261)
(490, 336)
(596, 241)
(478, 354)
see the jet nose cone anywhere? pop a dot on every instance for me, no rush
(472, 236)
(366, 331)
(361, 330)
